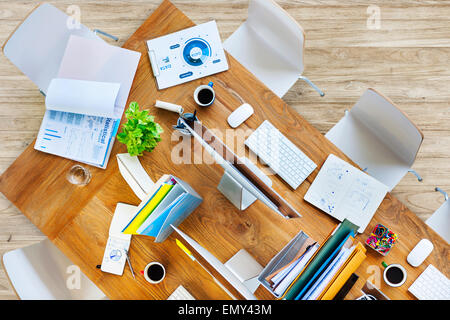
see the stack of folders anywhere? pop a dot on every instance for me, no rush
(303, 270)
(169, 202)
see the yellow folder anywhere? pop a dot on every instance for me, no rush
(350, 266)
(147, 209)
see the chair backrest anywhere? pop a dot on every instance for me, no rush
(41, 271)
(440, 220)
(386, 121)
(37, 45)
(279, 30)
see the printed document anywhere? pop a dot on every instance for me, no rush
(86, 102)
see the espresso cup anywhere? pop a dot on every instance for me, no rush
(394, 274)
(204, 95)
(154, 272)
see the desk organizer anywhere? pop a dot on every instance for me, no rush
(382, 239)
(168, 202)
(284, 257)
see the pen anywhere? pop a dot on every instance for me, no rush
(129, 264)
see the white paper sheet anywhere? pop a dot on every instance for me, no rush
(346, 192)
(135, 175)
(114, 258)
(328, 274)
(91, 60)
(282, 287)
(75, 136)
(84, 97)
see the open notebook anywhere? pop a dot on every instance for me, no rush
(346, 192)
(86, 100)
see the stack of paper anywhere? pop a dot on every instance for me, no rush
(330, 266)
(170, 201)
(86, 101)
(282, 279)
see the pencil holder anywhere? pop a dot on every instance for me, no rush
(382, 239)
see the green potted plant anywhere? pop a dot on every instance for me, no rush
(140, 133)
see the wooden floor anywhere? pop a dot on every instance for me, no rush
(407, 59)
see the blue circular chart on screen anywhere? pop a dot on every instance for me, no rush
(196, 52)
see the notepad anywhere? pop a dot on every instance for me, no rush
(118, 244)
(346, 192)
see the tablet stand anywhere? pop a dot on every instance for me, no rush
(240, 197)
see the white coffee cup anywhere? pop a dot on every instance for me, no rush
(388, 268)
(209, 90)
(151, 279)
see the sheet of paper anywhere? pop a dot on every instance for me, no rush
(123, 214)
(135, 175)
(346, 192)
(83, 97)
(87, 59)
(327, 275)
(282, 287)
(115, 255)
(76, 136)
(280, 276)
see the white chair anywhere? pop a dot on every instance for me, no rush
(38, 44)
(42, 272)
(270, 44)
(440, 219)
(379, 137)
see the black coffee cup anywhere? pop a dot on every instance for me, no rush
(394, 274)
(204, 95)
(154, 272)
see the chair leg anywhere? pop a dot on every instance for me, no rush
(312, 85)
(443, 192)
(106, 34)
(416, 174)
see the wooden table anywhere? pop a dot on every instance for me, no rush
(77, 219)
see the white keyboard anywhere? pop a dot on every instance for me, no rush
(274, 149)
(431, 285)
(180, 293)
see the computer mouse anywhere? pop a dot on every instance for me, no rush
(238, 116)
(420, 252)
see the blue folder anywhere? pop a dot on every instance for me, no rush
(155, 227)
(323, 266)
